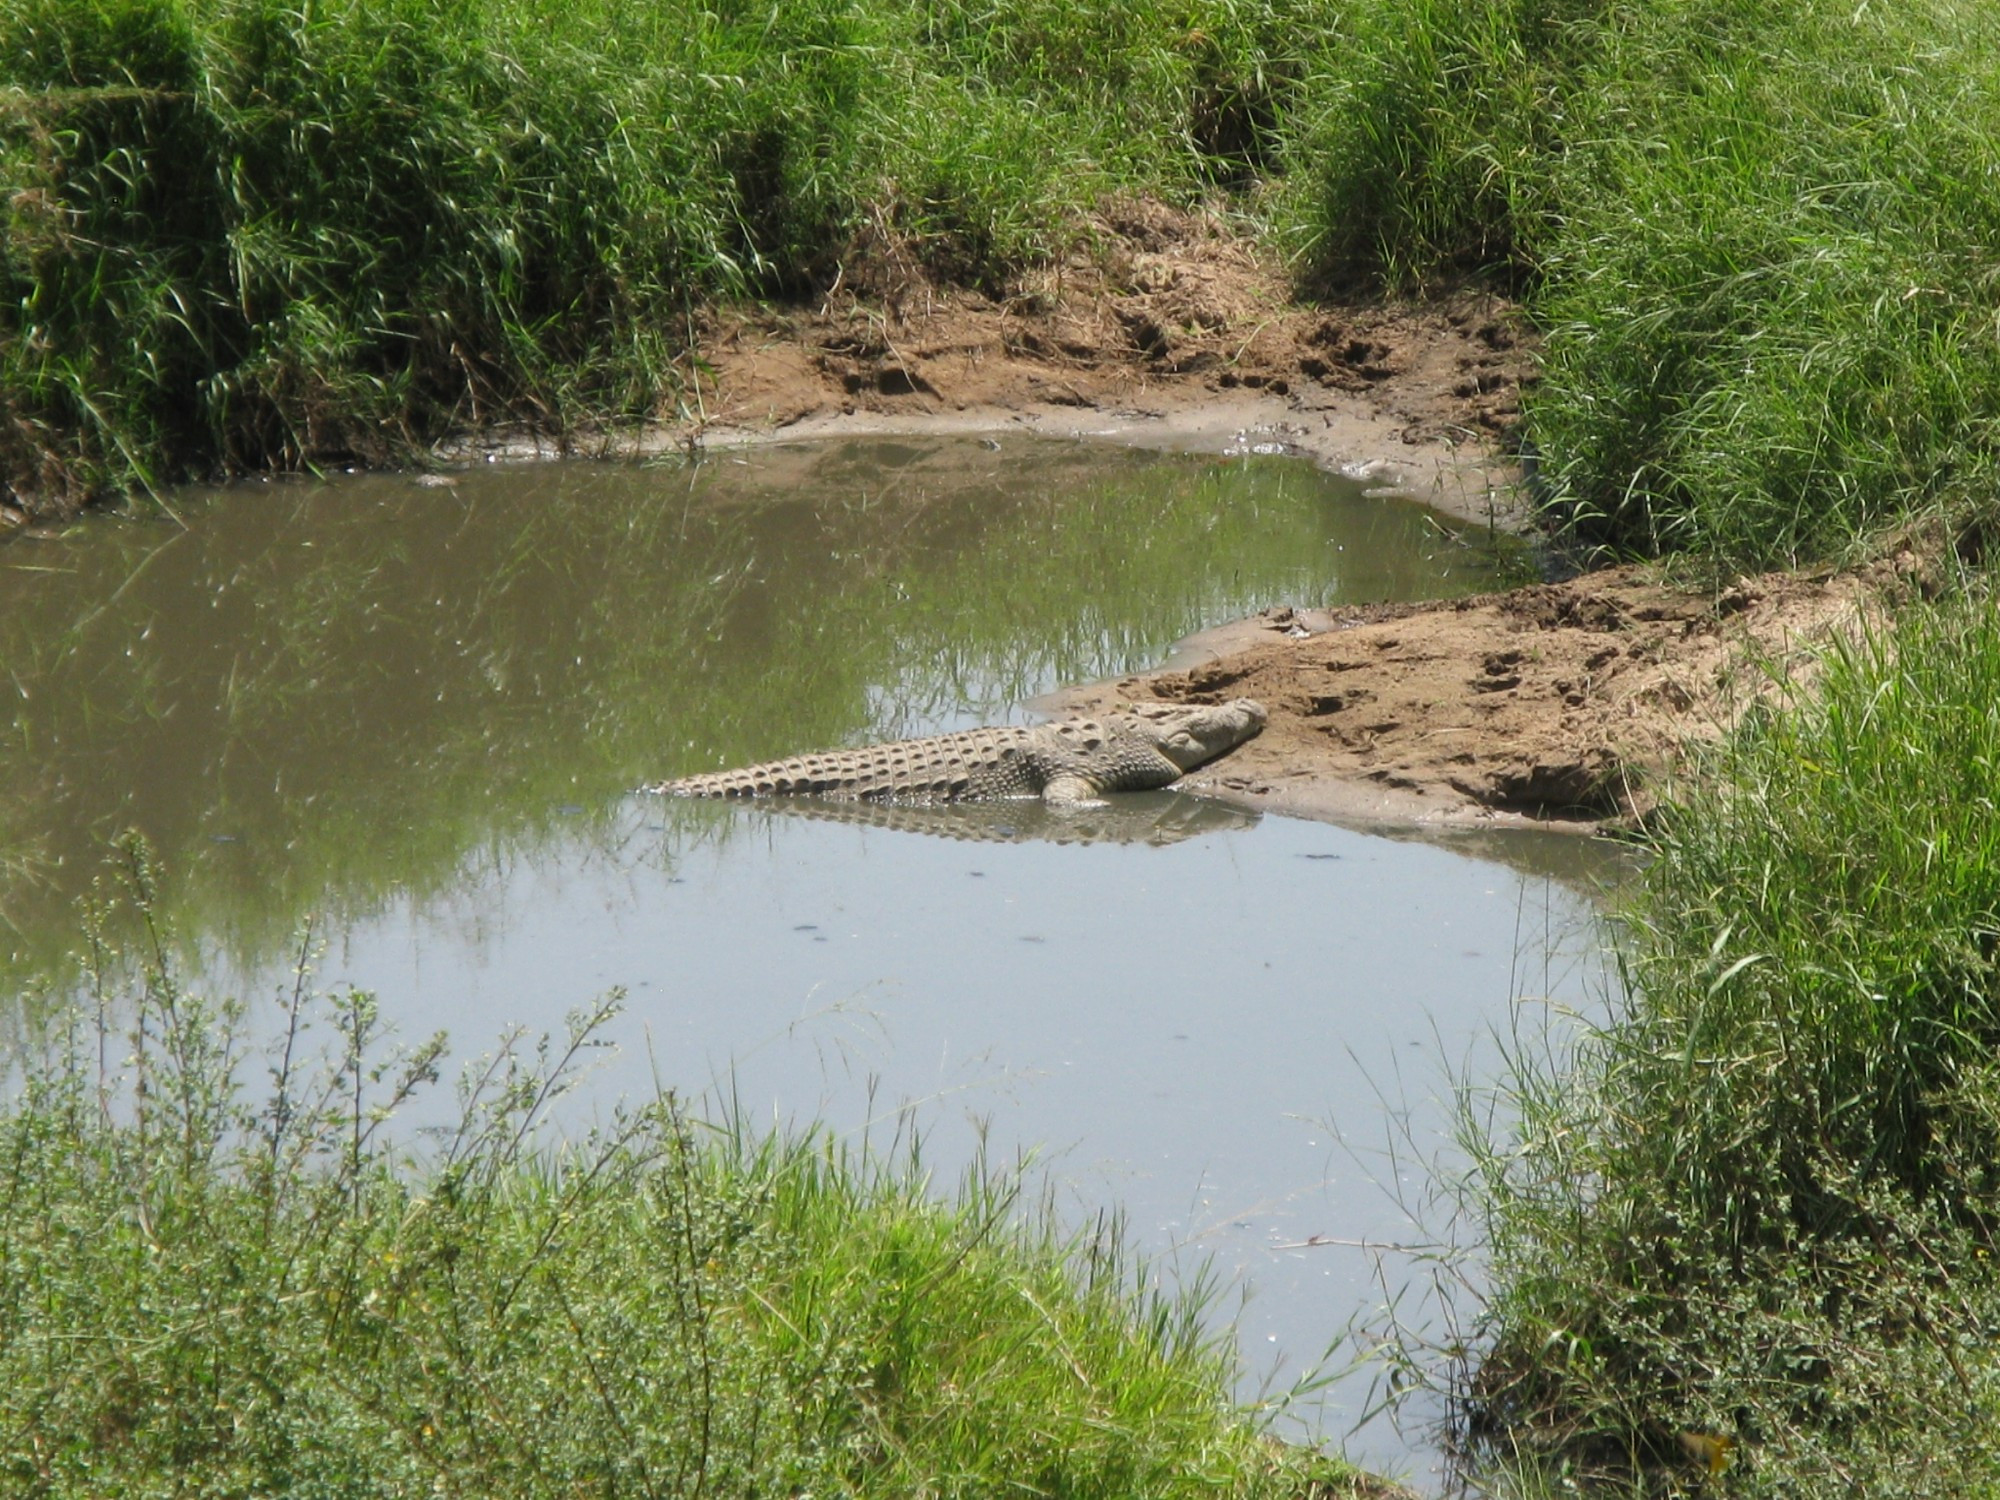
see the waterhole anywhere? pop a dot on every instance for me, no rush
(415, 712)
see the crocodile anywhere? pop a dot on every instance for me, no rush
(1068, 763)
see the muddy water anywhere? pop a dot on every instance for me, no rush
(415, 712)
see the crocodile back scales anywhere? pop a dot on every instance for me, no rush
(1135, 750)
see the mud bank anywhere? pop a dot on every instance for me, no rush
(1565, 705)
(1562, 704)
(1172, 331)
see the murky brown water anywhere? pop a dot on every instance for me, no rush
(415, 713)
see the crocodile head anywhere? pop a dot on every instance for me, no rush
(1193, 735)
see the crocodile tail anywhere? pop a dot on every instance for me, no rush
(798, 776)
(1001, 762)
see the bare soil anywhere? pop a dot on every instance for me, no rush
(1566, 704)
(1171, 330)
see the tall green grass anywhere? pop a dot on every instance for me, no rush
(227, 1269)
(1772, 309)
(1759, 238)
(251, 233)
(1426, 145)
(1762, 1200)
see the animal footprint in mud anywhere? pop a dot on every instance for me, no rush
(1500, 672)
(1318, 704)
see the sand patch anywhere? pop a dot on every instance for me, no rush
(1172, 331)
(1567, 704)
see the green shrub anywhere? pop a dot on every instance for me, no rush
(1762, 1198)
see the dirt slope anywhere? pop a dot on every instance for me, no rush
(1172, 329)
(1568, 702)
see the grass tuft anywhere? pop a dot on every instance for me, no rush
(1762, 1200)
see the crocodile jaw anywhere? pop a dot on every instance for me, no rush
(1195, 736)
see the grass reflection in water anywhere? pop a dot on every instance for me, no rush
(327, 697)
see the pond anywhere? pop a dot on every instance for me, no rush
(416, 712)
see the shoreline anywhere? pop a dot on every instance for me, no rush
(1465, 481)
(1554, 706)
(1557, 707)
(1564, 707)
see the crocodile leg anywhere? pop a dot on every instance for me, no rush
(1072, 792)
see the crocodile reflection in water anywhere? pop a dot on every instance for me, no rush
(1156, 818)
